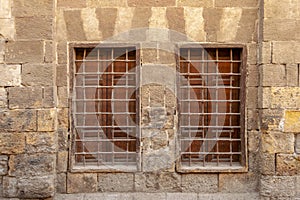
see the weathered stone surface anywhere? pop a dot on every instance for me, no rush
(247, 30)
(200, 3)
(63, 118)
(253, 141)
(91, 24)
(61, 183)
(297, 147)
(149, 196)
(24, 51)
(252, 97)
(37, 75)
(46, 120)
(12, 143)
(81, 183)
(181, 196)
(267, 164)
(41, 142)
(62, 75)
(116, 182)
(107, 20)
(10, 75)
(3, 98)
(277, 186)
(71, 4)
(291, 75)
(284, 9)
(61, 52)
(212, 18)
(194, 25)
(62, 161)
(151, 3)
(62, 137)
(9, 186)
(75, 29)
(146, 182)
(176, 20)
(24, 165)
(106, 3)
(24, 8)
(273, 75)
(18, 120)
(49, 95)
(63, 97)
(292, 121)
(266, 53)
(25, 97)
(252, 119)
(252, 56)
(34, 27)
(285, 52)
(5, 9)
(277, 29)
(238, 183)
(287, 164)
(199, 182)
(271, 119)
(3, 165)
(7, 28)
(277, 142)
(169, 182)
(49, 52)
(236, 3)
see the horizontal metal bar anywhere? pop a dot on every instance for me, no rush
(106, 73)
(111, 100)
(210, 74)
(209, 61)
(210, 127)
(86, 139)
(107, 113)
(227, 114)
(205, 100)
(210, 153)
(209, 139)
(210, 87)
(105, 127)
(104, 60)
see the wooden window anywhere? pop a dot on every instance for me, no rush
(105, 108)
(211, 109)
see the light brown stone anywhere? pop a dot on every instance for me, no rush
(277, 142)
(205, 183)
(3, 165)
(271, 119)
(18, 120)
(284, 9)
(41, 142)
(253, 141)
(252, 119)
(25, 97)
(75, 29)
(292, 78)
(37, 74)
(107, 3)
(62, 75)
(24, 51)
(277, 186)
(297, 146)
(24, 8)
(61, 183)
(273, 75)
(146, 182)
(252, 97)
(176, 20)
(169, 182)
(34, 27)
(277, 29)
(46, 120)
(236, 3)
(5, 9)
(71, 3)
(151, 3)
(200, 3)
(62, 161)
(286, 52)
(63, 97)
(266, 52)
(247, 30)
(49, 52)
(252, 76)
(10, 75)
(81, 183)
(267, 164)
(107, 20)
(287, 164)
(63, 118)
(117, 182)
(12, 143)
(238, 183)
(7, 28)
(291, 121)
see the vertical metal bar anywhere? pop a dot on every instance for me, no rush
(217, 104)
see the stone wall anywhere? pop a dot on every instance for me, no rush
(35, 78)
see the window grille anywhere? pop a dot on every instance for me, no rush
(105, 107)
(211, 116)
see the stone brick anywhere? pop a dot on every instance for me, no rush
(277, 142)
(181, 196)
(146, 182)
(151, 3)
(81, 183)
(267, 164)
(277, 29)
(41, 142)
(3, 165)
(292, 74)
(194, 24)
(24, 51)
(63, 118)
(253, 141)
(24, 165)
(63, 97)
(291, 121)
(62, 137)
(297, 148)
(273, 75)
(200, 3)
(149, 196)
(252, 119)
(284, 52)
(37, 75)
(271, 119)
(62, 161)
(252, 97)
(49, 95)
(277, 186)
(10, 75)
(3, 98)
(176, 20)
(71, 4)
(7, 28)
(107, 3)
(284, 9)
(18, 120)
(107, 20)
(212, 18)
(169, 182)
(61, 51)
(236, 3)
(12, 143)
(25, 97)
(199, 183)
(116, 182)
(75, 29)
(9, 186)
(49, 52)
(5, 9)
(91, 24)
(61, 183)
(150, 55)
(34, 27)
(62, 75)
(266, 52)
(24, 8)
(287, 164)
(46, 120)
(252, 55)
(254, 162)
(222, 196)
(247, 30)
(238, 183)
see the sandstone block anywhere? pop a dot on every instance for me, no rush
(81, 183)
(266, 51)
(25, 97)
(41, 142)
(107, 20)
(284, 9)
(62, 75)
(24, 165)
(9, 186)
(267, 164)
(63, 97)
(277, 186)
(7, 28)
(106, 3)
(3, 164)
(49, 52)
(273, 75)
(149, 196)
(285, 52)
(212, 18)
(75, 29)
(271, 119)
(62, 137)
(151, 3)
(146, 182)
(298, 143)
(252, 119)
(292, 75)
(46, 120)
(287, 164)
(252, 97)
(252, 55)
(277, 142)
(12, 143)
(117, 182)
(10, 75)
(18, 120)
(24, 8)
(236, 3)
(61, 51)
(199, 183)
(71, 4)
(49, 94)
(3, 98)
(291, 121)
(37, 75)
(238, 183)
(63, 118)
(253, 141)
(169, 182)
(34, 27)
(61, 183)
(200, 3)
(181, 196)
(176, 20)
(277, 29)
(5, 9)
(247, 28)
(62, 161)
(24, 51)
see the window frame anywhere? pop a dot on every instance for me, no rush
(243, 132)
(71, 64)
